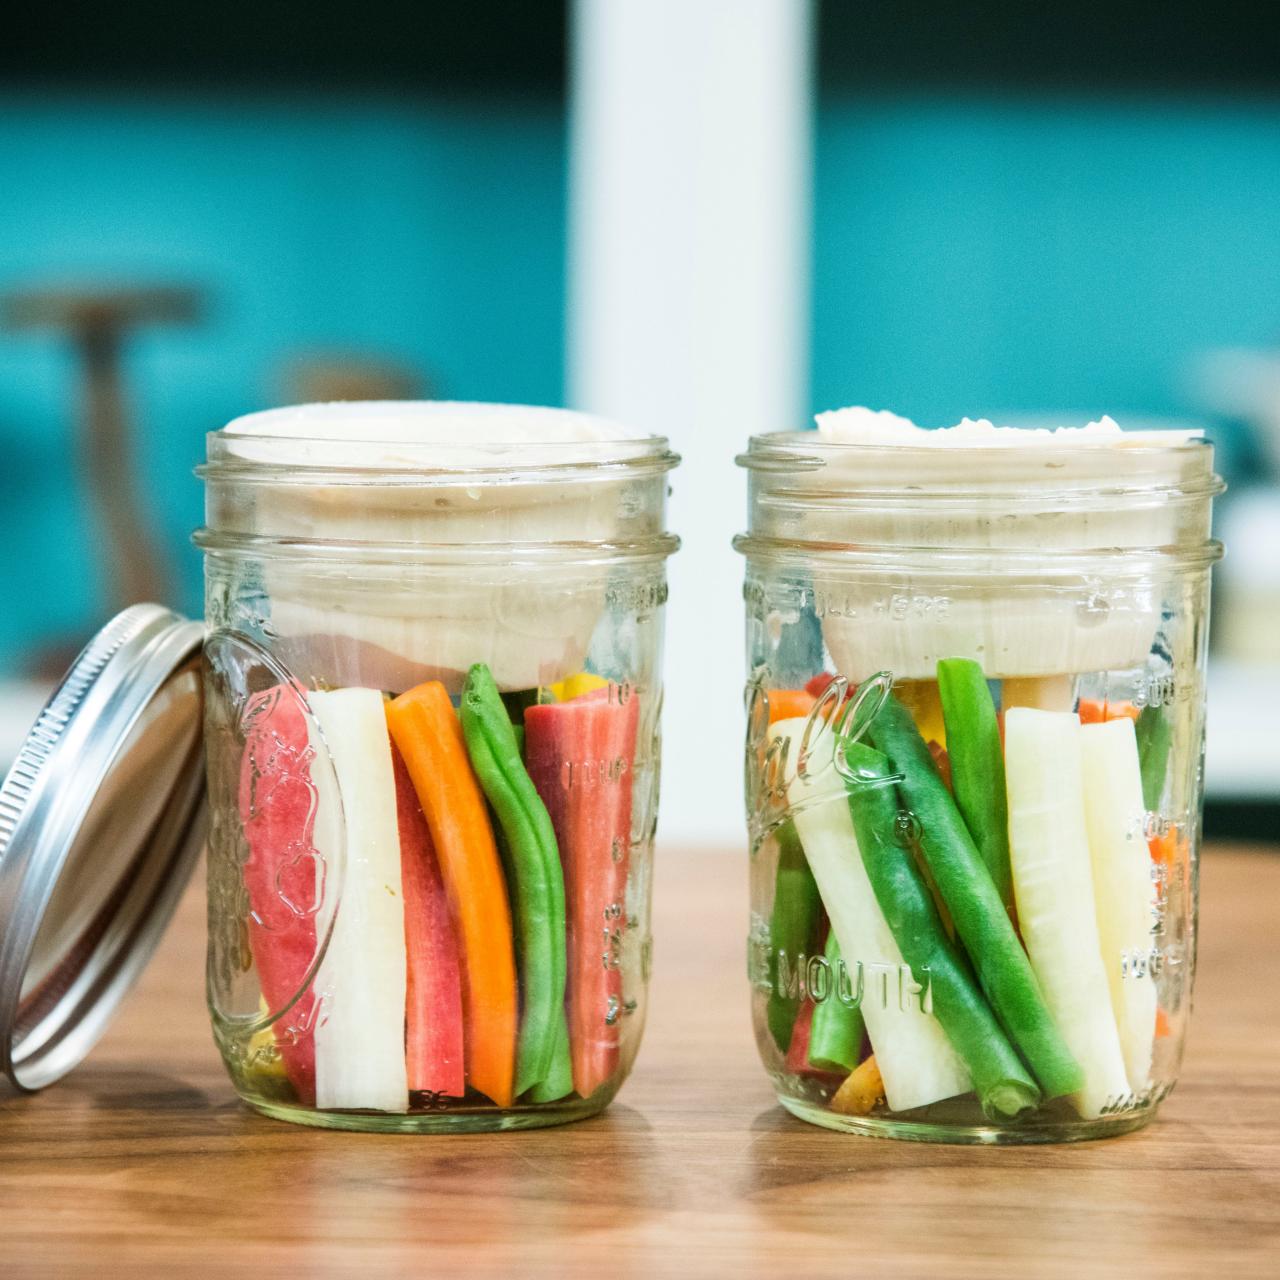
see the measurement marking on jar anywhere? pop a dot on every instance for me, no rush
(593, 773)
(1156, 1091)
(1160, 689)
(1148, 962)
(1159, 898)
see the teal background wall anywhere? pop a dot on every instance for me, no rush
(1028, 253)
(1039, 253)
(426, 230)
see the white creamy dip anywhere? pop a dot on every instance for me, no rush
(1026, 498)
(441, 477)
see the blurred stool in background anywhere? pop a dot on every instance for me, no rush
(98, 322)
(316, 377)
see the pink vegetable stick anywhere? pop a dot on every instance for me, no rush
(581, 756)
(433, 1002)
(282, 872)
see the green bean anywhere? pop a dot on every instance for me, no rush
(835, 1037)
(977, 766)
(533, 864)
(559, 1081)
(1155, 735)
(1003, 1086)
(792, 928)
(966, 887)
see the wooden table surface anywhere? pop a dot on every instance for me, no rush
(143, 1163)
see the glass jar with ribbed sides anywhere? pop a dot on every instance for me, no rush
(975, 726)
(432, 701)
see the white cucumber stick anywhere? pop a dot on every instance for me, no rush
(1122, 886)
(916, 1060)
(360, 1061)
(1053, 889)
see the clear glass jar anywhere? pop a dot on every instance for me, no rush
(432, 732)
(973, 777)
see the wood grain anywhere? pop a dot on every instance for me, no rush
(144, 1164)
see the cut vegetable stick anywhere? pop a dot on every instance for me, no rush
(428, 734)
(784, 704)
(999, 1077)
(1123, 890)
(576, 685)
(1164, 849)
(360, 1057)
(559, 1081)
(977, 766)
(1093, 711)
(434, 1053)
(980, 918)
(281, 876)
(835, 1035)
(916, 1058)
(1155, 737)
(943, 761)
(796, 1060)
(923, 699)
(535, 878)
(581, 756)
(818, 685)
(1053, 887)
(793, 928)
(861, 1092)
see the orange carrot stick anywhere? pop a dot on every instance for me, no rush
(1164, 848)
(427, 732)
(1093, 711)
(784, 704)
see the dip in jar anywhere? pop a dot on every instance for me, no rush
(975, 725)
(431, 709)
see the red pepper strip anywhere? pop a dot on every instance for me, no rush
(433, 1001)
(281, 874)
(817, 685)
(797, 1059)
(581, 757)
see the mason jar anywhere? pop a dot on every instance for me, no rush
(432, 696)
(975, 731)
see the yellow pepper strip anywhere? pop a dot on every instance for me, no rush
(576, 685)
(261, 1052)
(862, 1090)
(922, 699)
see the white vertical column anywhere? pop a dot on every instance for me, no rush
(688, 296)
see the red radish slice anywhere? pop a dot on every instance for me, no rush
(581, 755)
(797, 1059)
(282, 875)
(433, 1000)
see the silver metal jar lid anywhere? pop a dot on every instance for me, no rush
(102, 818)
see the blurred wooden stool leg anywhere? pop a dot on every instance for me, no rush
(98, 323)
